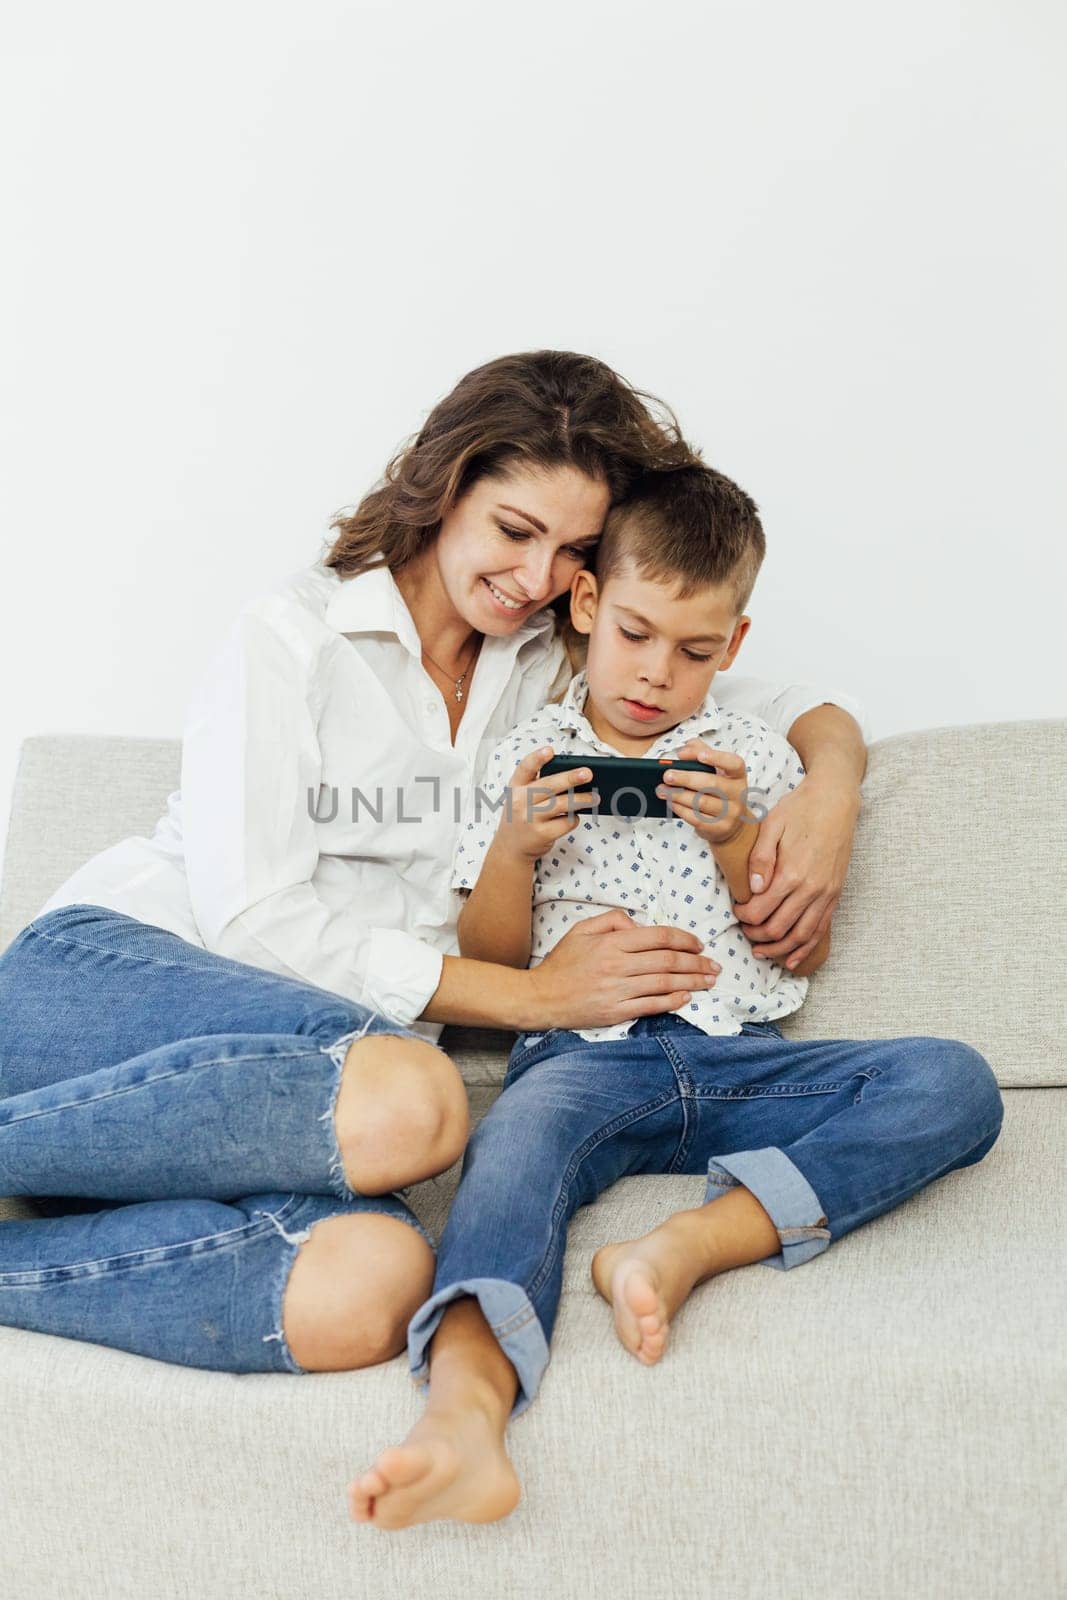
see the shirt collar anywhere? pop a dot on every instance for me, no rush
(371, 602)
(368, 603)
(706, 719)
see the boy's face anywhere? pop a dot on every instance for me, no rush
(651, 656)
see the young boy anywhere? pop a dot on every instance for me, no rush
(801, 1141)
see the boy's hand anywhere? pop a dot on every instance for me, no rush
(715, 803)
(538, 811)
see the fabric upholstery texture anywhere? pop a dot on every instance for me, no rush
(951, 922)
(887, 1421)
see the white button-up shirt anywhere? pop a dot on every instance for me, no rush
(657, 869)
(266, 855)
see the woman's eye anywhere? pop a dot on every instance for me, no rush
(512, 533)
(636, 637)
(576, 553)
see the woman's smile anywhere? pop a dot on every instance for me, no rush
(503, 601)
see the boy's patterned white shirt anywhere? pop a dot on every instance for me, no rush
(655, 868)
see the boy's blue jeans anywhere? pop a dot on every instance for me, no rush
(825, 1133)
(176, 1109)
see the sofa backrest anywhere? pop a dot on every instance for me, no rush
(75, 794)
(952, 922)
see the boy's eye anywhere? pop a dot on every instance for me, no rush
(638, 638)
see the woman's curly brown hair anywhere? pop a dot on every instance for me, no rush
(539, 408)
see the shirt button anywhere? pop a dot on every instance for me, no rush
(430, 705)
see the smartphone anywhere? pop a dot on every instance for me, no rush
(626, 784)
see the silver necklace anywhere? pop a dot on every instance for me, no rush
(459, 682)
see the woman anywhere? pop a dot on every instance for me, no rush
(244, 1008)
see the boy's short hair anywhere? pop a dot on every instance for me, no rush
(690, 524)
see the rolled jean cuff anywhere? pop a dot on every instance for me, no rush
(783, 1192)
(513, 1322)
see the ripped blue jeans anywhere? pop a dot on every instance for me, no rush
(171, 1112)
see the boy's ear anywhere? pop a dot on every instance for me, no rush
(584, 595)
(741, 627)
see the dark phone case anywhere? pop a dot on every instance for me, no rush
(626, 784)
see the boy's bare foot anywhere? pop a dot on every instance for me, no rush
(452, 1464)
(646, 1280)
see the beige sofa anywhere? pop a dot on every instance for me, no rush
(885, 1421)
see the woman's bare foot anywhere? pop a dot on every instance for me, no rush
(451, 1465)
(646, 1281)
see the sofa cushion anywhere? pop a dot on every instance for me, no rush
(883, 1420)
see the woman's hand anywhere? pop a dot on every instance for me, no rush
(797, 870)
(610, 969)
(714, 803)
(538, 811)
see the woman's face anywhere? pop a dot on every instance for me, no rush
(513, 543)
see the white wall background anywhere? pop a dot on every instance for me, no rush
(247, 246)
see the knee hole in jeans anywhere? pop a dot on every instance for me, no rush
(354, 1285)
(401, 1114)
